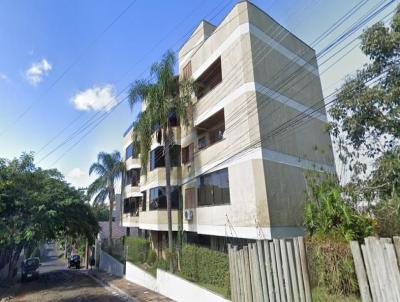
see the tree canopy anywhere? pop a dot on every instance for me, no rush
(38, 204)
(366, 114)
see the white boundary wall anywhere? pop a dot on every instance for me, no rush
(171, 285)
(140, 276)
(180, 289)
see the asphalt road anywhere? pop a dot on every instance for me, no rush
(59, 284)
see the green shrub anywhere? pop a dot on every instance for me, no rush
(151, 257)
(331, 266)
(137, 249)
(387, 214)
(203, 265)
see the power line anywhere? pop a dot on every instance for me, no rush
(93, 118)
(68, 68)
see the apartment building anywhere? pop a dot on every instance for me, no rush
(239, 171)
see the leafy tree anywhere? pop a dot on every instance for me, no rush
(385, 179)
(101, 212)
(36, 205)
(109, 168)
(366, 114)
(330, 213)
(163, 97)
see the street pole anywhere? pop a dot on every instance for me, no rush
(87, 253)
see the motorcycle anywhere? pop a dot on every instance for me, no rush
(74, 261)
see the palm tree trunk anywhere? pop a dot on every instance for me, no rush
(111, 197)
(168, 193)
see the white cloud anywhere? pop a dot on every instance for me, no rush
(38, 71)
(78, 178)
(76, 173)
(3, 77)
(96, 98)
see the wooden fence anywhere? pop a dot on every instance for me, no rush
(376, 263)
(269, 271)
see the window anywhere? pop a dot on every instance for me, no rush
(209, 79)
(187, 154)
(190, 198)
(157, 158)
(144, 201)
(133, 177)
(211, 130)
(131, 205)
(173, 120)
(187, 70)
(158, 198)
(129, 152)
(216, 134)
(202, 142)
(214, 188)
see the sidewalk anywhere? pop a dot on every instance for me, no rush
(136, 292)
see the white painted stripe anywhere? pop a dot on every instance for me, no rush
(294, 161)
(254, 30)
(157, 227)
(252, 87)
(289, 102)
(251, 232)
(246, 28)
(265, 154)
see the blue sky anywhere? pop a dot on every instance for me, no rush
(40, 39)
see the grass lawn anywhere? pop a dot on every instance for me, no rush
(319, 294)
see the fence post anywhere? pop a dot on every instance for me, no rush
(304, 269)
(286, 274)
(270, 282)
(231, 274)
(292, 270)
(262, 261)
(360, 272)
(279, 269)
(300, 282)
(275, 271)
(396, 241)
(248, 278)
(371, 276)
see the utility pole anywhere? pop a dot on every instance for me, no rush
(87, 253)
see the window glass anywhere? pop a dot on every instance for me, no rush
(157, 158)
(214, 188)
(129, 151)
(158, 198)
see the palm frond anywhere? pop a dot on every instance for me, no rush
(96, 186)
(138, 92)
(100, 197)
(97, 168)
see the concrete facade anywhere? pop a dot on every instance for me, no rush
(269, 77)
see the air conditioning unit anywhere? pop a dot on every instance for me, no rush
(188, 215)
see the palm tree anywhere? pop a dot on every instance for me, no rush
(164, 96)
(109, 168)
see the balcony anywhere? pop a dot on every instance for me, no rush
(157, 220)
(211, 130)
(130, 215)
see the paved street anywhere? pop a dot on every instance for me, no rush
(57, 283)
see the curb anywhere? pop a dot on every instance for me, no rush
(108, 286)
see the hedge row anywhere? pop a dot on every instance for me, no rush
(137, 249)
(331, 266)
(200, 264)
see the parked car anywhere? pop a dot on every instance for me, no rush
(74, 261)
(29, 268)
